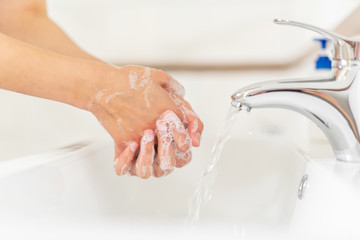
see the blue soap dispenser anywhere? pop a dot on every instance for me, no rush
(323, 62)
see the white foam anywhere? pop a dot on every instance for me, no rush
(165, 164)
(97, 99)
(195, 125)
(165, 137)
(186, 156)
(147, 138)
(145, 78)
(171, 123)
(177, 87)
(112, 96)
(133, 77)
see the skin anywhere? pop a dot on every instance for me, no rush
(130, 101)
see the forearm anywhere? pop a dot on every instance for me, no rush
(27, 20)
(41, 73)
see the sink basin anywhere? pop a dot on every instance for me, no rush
(72, 192)
(74, 187)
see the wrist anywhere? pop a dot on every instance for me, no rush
(83, 85)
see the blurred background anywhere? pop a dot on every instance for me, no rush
(212, 47)
(190, 34)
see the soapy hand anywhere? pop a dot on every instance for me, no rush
(128, 103)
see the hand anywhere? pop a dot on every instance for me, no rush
(173, 148)
(128, 101)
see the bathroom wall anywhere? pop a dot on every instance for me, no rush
(205, 34)
(200, 32)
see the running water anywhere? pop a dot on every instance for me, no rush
(205, 184)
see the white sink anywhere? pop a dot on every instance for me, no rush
(73, 193)
(257, 184)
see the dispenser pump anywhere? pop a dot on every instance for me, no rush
(323, 62)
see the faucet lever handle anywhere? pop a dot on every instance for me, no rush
(344, 48)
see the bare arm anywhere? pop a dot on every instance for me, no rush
(127, 101)
(30, 70)
(27, 20)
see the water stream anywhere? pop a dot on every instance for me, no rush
(203, 191)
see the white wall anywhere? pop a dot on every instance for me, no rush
(195, 31)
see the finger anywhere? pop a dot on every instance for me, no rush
(157, 171)
(177, 128)
(117, 154)
(132, 170)
(123, 160)
(165, 148)
(195, 126)
(144, 162)
(182, 158)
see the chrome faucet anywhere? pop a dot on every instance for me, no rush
(332, 102)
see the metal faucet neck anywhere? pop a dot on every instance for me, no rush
(331, 102)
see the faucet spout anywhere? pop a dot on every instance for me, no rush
(331, 102)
